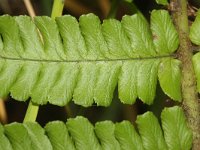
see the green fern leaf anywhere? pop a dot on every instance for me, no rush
(4, 142)
(82, 132)
(195, 38)
(195, 30)
(139, 34)
(18, 136)
(84, 61)
(164, 33)
(127, 136)
(162, 2)
(176, 132)
(196, 62)
(169, 75)
(78, 133)
(37, 135)
(105, 131)
(58, 135)
(27, 136)
(150, 131)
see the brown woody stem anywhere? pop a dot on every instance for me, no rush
(189, 90)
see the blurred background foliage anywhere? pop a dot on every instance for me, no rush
(15, 111)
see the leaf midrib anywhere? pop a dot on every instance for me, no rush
(87, 60)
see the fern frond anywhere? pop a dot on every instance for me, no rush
(85, 60)
(80, 134)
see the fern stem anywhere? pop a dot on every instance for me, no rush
(57, 8)
(31, 113)
(189, 89)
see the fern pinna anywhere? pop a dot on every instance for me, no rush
(85, 61)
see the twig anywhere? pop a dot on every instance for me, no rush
(3, 115)
(29, 8)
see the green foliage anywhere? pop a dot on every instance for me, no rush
(4, 144)
(129, 1)
(79, 133)
(37, 135)
(18, 136)
(195, 30)
(82, 132)
(85, 60)
(165, 36)
(105, 131)
(162, 2)
(127, 136)
(173, 124)
(152, 136)
(195, 38)
(59, 136)
(170, 78)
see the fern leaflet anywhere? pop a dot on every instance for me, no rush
(85, 60)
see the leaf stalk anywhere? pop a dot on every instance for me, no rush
(31, 113)
(57, 9)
